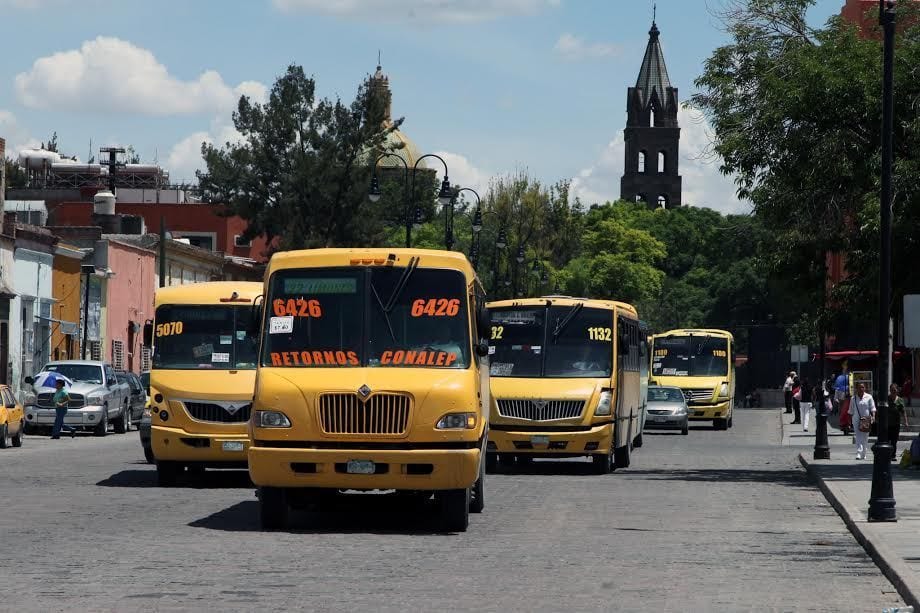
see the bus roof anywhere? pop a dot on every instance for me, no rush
(566, 301)
(316, 258)
(208, 293)
(696, 332)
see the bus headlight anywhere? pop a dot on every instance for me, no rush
(723, 391)
(457, 421)
(272, 419)
(603, 405)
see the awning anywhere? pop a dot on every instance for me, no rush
(69, 328)
(857, 355)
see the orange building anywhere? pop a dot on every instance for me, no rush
(66, 292)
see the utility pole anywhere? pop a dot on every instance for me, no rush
(162, 251)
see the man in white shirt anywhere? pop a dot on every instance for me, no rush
(787, 390)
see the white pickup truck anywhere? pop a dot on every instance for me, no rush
(96, 398)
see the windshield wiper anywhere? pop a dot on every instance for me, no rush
(565, 321)
(397, 290)
(386, 315)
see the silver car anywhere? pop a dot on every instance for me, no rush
(666, 409)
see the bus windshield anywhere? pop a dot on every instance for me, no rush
(191, 336)
(382, 316)
(690, 356)
(554, 342)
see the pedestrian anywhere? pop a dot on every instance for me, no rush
(841, 387)
(805, 400)
(862, 410)
(896, 414)
(796, 399)
(61, 400)
(787, 391)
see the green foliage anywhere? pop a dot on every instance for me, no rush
(16, 176)
(300, 174)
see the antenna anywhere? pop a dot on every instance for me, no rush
(378, 57)
(654, 12)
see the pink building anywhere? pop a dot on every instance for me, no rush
(128, 302)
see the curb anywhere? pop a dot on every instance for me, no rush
(892, 566)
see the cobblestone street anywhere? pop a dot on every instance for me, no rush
(713, 521)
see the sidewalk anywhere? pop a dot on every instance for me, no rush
(847, 483)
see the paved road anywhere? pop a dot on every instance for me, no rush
(714, 521)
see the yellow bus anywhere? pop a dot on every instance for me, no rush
(369, 379)
(567, 380)
(702, 364)
(202, 376)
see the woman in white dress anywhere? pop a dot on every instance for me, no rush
(861, 405)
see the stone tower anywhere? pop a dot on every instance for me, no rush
(652, 134)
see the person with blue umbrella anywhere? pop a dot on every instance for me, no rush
(61, 400)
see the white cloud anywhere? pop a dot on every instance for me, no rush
(703, 184)
(185, 156)
(16, 135)
(571, 47)
(464, 174)
(114, 75)
(445, 11)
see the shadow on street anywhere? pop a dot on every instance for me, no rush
(208, 479)
(791, 478)
(341, 514)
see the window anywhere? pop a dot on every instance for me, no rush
(145, 359)
(661, 160)
(662, 201)
(118, 354)
(642, 161)
(95, 350)
(202, 240)
(239, 242)
(651, 116)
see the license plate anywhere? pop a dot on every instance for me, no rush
(658, 419)
(360, 467)
(539, 440)
(232, 445)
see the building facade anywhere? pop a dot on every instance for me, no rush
(66, 293)
(128, 303)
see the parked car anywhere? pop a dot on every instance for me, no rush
(12, 419)
(96, 398)
(137, 398)
(666, 409)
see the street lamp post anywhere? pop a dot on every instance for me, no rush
(476, 226)
(881, 500)
(444, 195)
(500, 243)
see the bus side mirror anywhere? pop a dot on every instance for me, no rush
(148, 334)
(255, 316)
(482, 348)
(483, 322)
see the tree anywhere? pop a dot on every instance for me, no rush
(300, 173)
(16, 175)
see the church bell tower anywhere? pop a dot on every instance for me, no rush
(652, 134)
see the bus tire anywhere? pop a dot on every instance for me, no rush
(168, 473)
(731, 418)
(720, 424)
(491, 462)
(621, 457)
(603, 462)
(273, 508)
(477, 492)
(455, 509)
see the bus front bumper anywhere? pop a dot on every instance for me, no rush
(709, 411)
(415, 469)
(593, 439)
(178, 445)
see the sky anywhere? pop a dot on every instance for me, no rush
(494, 86)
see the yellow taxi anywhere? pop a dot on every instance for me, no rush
(12, 420)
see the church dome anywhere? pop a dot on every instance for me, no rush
(397, 142)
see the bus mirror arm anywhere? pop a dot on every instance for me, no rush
(482, 348)
(255, 316)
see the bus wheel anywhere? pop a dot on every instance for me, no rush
(621, 457)
(491, 462)
(477, 492)
(455, 509)
(168, 473)
(273, 508)
(603, 462)
(731, 417)
(720, 424)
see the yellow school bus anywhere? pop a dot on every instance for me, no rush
(702, 364)
(202, 376)
(567, 380)
(369, 379)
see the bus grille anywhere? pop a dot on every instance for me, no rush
(226, 413)
(698, 395)
(384, 414)
(46, 401)
(541, 410)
